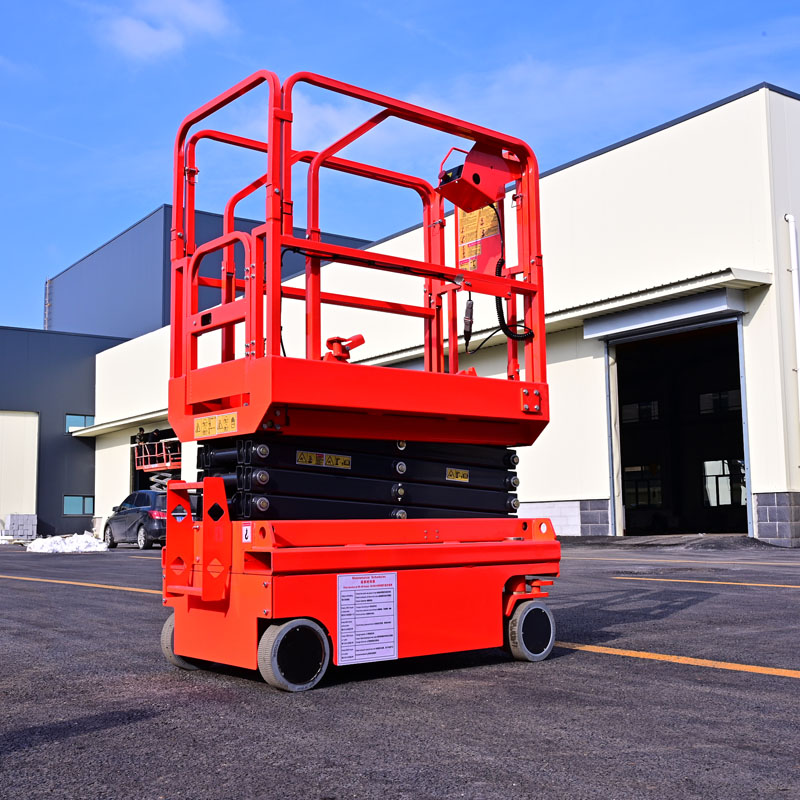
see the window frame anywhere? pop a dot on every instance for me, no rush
(86, 424)
(83, 498)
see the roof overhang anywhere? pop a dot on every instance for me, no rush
(563, 319)
(731, 278)
(94, 431)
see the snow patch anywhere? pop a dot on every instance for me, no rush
(77, 543)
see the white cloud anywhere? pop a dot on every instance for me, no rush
(150, 30)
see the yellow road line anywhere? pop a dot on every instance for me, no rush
(155, 558)
(721, 583)
(692, 662)
(79, 583)
(634, 560)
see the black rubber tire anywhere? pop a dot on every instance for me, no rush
(168, 646)
(108, 537)
(531, 631)
(143, 541)
(294, 656)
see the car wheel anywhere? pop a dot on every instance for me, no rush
(142, 539)
(108, 538)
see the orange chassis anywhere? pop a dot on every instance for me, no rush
(458, 581)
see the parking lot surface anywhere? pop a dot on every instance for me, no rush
(677, 674)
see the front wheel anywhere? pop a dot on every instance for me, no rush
(142, 539)
(108, 538)
(168, 646)
(531, 631)
(294, 656)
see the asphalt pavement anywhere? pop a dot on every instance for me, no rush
(90, 709)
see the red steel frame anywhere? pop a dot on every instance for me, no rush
(458, 580)
(155, 456)
(262, 386)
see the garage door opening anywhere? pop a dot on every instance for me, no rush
(681, 439)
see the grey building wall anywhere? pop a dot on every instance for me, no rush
(116, 290)
(123, 287)
(54, 374)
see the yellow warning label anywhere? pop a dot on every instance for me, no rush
(227, 423)
(461, 475)
(309, 459)
(478, 239)
(220, 423)
(205, 426)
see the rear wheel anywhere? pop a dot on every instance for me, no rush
(294, 656)
(531, 631)
(142, 539)
(168, 646)
(108, 538)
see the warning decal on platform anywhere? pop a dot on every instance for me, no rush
(308, 459)
(478, 240)
(461, 475)
(219, 423)
(366, 617)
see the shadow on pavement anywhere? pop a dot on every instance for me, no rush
(35, 735)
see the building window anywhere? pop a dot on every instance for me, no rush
(723, 483)
(78, 505)
(75, 421)
(721, 402)
(640, 412)
(642, 486)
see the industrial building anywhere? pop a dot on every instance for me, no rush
(46, 392)
(671, 332)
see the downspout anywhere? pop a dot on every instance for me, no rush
(793, 260)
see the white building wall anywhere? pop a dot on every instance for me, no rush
(770, 328)
(19, 448)
(569, 461)
(691, 199)
(112, 479)
(131, 378)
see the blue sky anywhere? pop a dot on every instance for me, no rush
(93, 93)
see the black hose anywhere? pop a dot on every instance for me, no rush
(498, 301)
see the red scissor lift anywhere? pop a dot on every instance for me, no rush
(301, 556)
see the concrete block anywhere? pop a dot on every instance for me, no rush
(767, 530)
(779, 514)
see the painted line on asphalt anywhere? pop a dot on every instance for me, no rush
(720, 583)
(154, 558)
(634, 560)
(80, 583)
(692, 662)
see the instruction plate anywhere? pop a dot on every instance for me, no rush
(366, 617)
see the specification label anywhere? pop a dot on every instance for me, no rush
(367, 617)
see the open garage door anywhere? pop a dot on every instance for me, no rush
(681, 439)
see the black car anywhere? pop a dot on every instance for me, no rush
(141, 519)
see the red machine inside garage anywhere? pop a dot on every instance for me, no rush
(352, 513)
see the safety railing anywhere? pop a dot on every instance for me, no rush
(157, 456)
(251, 295)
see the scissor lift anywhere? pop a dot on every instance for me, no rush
(352, 513)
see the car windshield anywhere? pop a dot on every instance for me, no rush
(160, 502)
